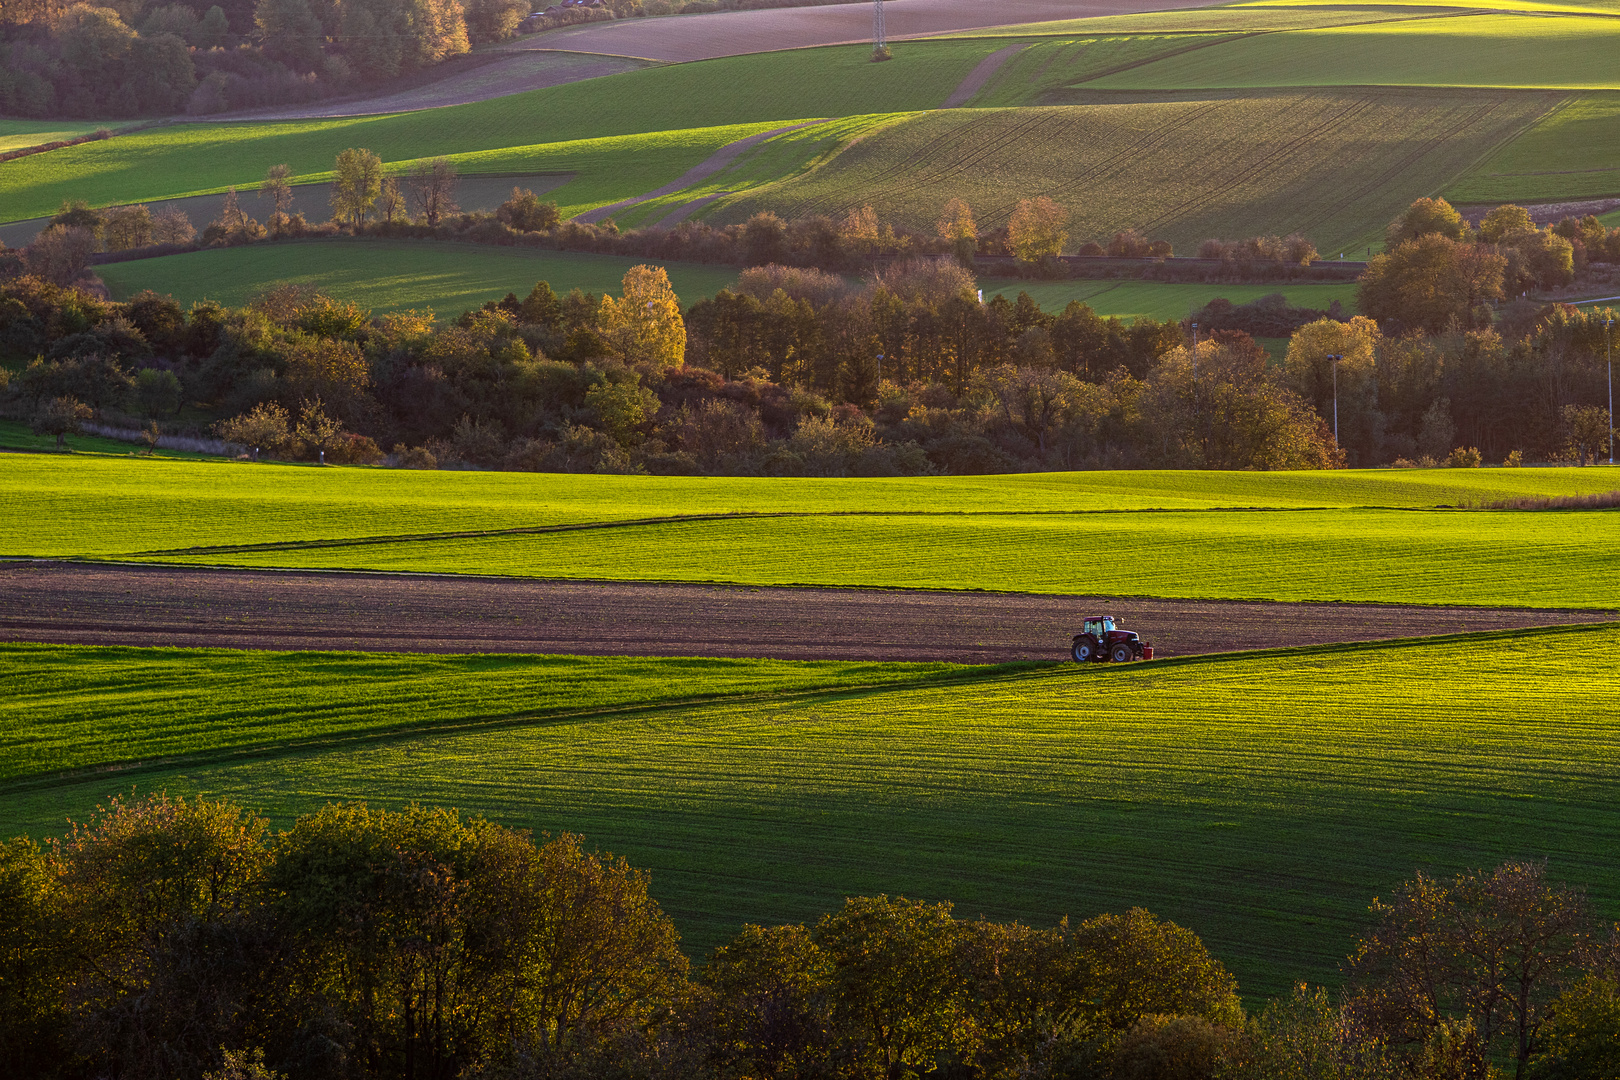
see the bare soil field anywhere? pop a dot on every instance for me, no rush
(733, 33)
(161, 606)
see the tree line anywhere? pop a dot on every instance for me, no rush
(135, 58)
(167, 939)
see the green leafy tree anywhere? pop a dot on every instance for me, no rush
(357, 185)
(1425, 217)
(1589, 431)
(60, 417)
(290, 32)
(157, 392)
(1038, 229)
(526, 213)
(897, 989)
(1431, 283)
(1504, 223)
(1582, 1039)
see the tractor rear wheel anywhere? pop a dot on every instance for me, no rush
(1123, 654)
(1083, 652)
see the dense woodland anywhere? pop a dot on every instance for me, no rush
(798, 371)
(175, 940)
(132, 58)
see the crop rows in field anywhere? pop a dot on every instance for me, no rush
(1335, 165)
(65, 507)
(1262, 800)
(1514, 559)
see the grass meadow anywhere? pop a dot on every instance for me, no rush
(21, 134)
(64, 506)
(388, 275)
(1261, 799)
(1334, 165)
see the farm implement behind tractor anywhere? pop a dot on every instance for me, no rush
(1102, 641)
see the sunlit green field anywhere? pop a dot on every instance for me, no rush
(1509, 559)
(388, 275)
(1262, 800)
(1571, 153)
(1480, 50)
(62, 506)
(678, 107)
(1125, 533)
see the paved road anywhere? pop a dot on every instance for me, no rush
(183, 606)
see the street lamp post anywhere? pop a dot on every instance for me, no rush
(1336, 360)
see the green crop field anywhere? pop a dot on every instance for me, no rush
(1225, 18)
(1498, 559)
(1165, 300)
(1571, 153)
(73, 708)
(1059, 62)
(1262, 800)
(1334, 165)
(63, 506)
(388, 275)
(517, 133)
(1479, 50)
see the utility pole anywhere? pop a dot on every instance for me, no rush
(880, 40)
(1336, 360)
(1608, 352)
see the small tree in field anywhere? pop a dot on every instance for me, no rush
(316, 430)
(956, 225)
(60, 417)
(357, 186)
(264, 428)
(1039, 228)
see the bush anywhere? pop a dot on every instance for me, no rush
(414, 457)
(1463, 457)
(157, 392)
(1513, 461)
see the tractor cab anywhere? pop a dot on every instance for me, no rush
(1099, 626)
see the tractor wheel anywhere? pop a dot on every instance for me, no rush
(1123, 654)
(1083, 652)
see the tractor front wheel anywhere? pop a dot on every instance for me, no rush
(1083, 652)
(1123, 654)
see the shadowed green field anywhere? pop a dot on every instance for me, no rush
(387, 275)
(69, 507)
(1262, 800)
(1165, 300)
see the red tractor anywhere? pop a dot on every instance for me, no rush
(1101, 641)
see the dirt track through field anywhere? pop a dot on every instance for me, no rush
(149, 606)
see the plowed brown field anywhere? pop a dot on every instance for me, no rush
(733, 33)
(106, 605)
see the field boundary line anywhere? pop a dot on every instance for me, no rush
(984, 675)
(806, 586)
